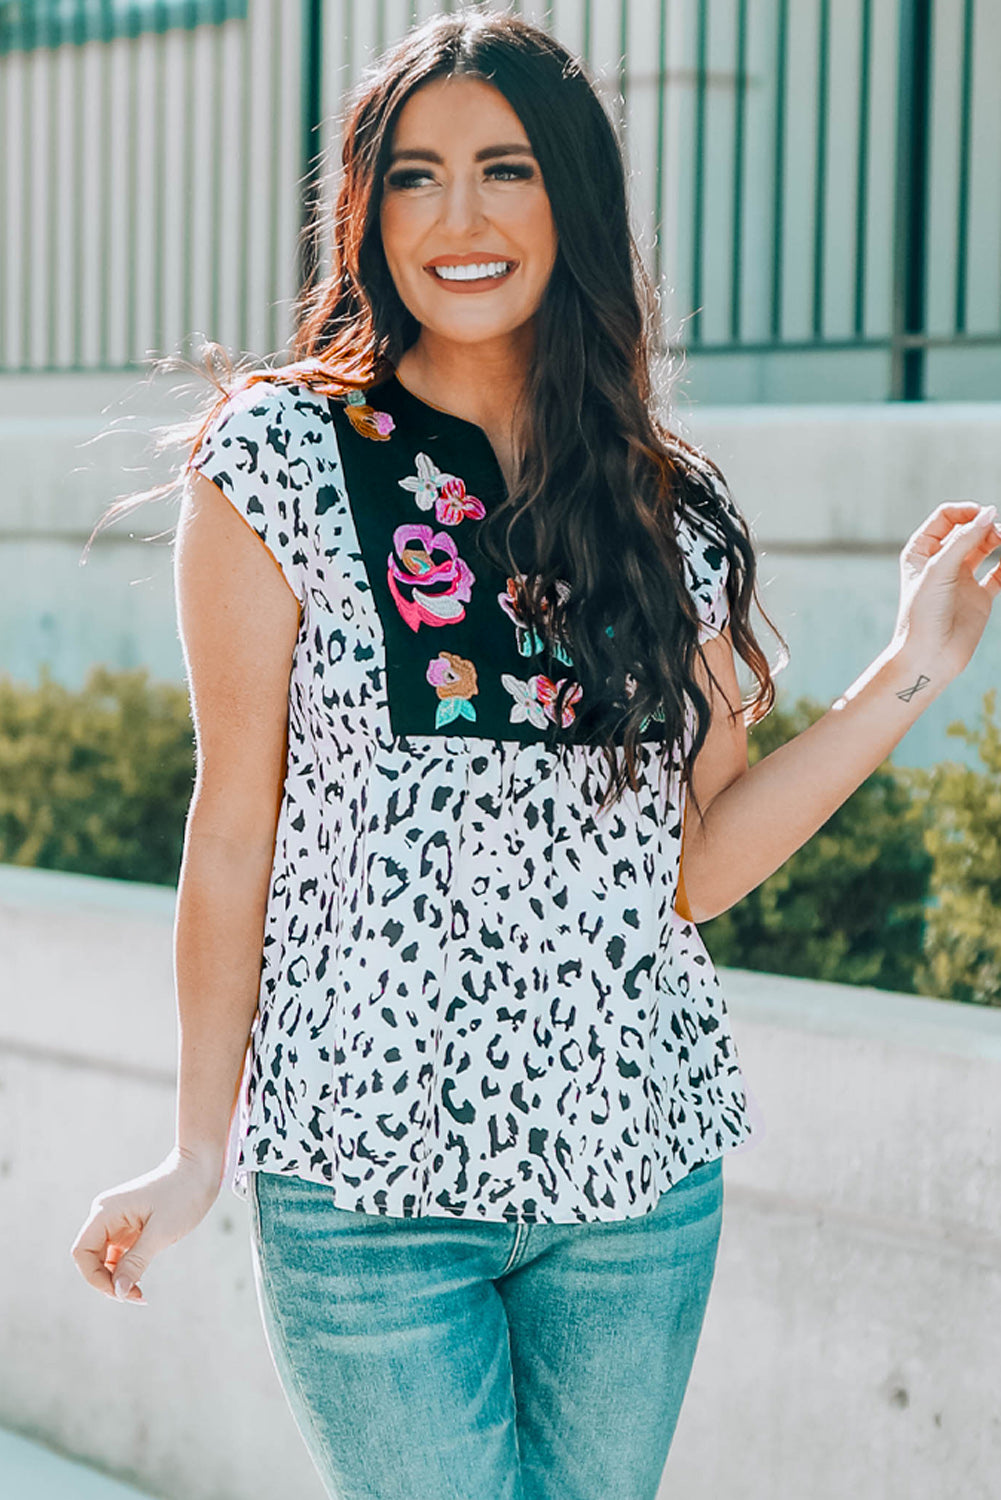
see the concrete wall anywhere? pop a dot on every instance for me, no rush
(850, 1345)
(831, 492)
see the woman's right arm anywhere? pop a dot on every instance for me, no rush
(238, 621)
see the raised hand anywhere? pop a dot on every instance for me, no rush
(943, 607)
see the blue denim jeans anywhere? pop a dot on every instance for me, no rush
(438, 1358)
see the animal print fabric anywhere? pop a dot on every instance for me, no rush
(477, 998)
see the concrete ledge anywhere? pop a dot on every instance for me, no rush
(854, 1012)
(848, 476)
(29, 1470)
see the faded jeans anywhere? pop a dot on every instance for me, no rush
(437, 1358)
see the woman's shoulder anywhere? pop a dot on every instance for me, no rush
(704, 527)
(706, 513)
(274, 396)
(269, 425)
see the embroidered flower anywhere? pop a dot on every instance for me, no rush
(527, 640)
(370, 423)
(526, 704)
(425, 484)
(535, 700)
(446, 492)
(428, 580)
(658, 712)
(548, 691)
(454, 680)
(454, 505)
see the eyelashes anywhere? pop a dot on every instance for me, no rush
(409, 177)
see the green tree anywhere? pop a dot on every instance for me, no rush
(96, 780)
(849, 906)
(962, 947)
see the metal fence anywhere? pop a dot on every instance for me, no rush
(806, 179)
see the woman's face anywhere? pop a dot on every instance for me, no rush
(464, 189)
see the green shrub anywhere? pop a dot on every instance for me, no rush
(962, 947)
(849, 906)
(899, 889)
(98, 780)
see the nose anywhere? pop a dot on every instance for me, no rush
(461, 205)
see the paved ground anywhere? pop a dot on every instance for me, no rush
(30, 1472)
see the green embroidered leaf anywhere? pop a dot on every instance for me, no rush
(448, 709)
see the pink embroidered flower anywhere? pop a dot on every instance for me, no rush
(454, 505)
(547, 691)
(430, 583)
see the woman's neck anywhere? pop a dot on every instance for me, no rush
(471, 381)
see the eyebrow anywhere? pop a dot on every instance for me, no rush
(486, 154)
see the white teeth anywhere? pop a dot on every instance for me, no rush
(472, 273)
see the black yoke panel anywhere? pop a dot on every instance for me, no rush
(457, 659)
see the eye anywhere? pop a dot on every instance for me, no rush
(411, 176)
(405, 179)
(516, 169)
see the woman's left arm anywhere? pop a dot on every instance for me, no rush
(756, 817)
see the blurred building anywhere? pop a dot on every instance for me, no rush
(814, 191)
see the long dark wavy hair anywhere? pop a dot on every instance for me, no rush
(602, 483)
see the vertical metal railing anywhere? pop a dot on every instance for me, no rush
(312, 122)
(863, 124)
(963, 168)
(119, 146)
(163, 160)
(778, 194)
(911, 204)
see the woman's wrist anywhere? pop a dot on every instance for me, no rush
(908, 672)
(205, 1160)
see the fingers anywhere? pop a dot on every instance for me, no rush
(991, 582)
(939, 534)
(979, 532)
(947, 515)
(102, 1248)
(128, 1271)
(942, 524)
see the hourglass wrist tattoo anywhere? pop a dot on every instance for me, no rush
(904, 694)
(908, 693)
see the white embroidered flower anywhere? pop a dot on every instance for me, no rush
(426, 483)
(526, 704)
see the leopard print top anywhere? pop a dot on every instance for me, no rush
(477, 998)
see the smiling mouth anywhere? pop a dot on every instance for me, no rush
(459, 275)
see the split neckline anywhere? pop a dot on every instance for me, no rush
(427, 409)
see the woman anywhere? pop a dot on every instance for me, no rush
(490, 1077)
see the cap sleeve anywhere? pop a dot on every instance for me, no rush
(707, 569)
(249, 452)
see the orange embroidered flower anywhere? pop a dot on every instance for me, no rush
(527, 640)
(454, 680)
(364, 419)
